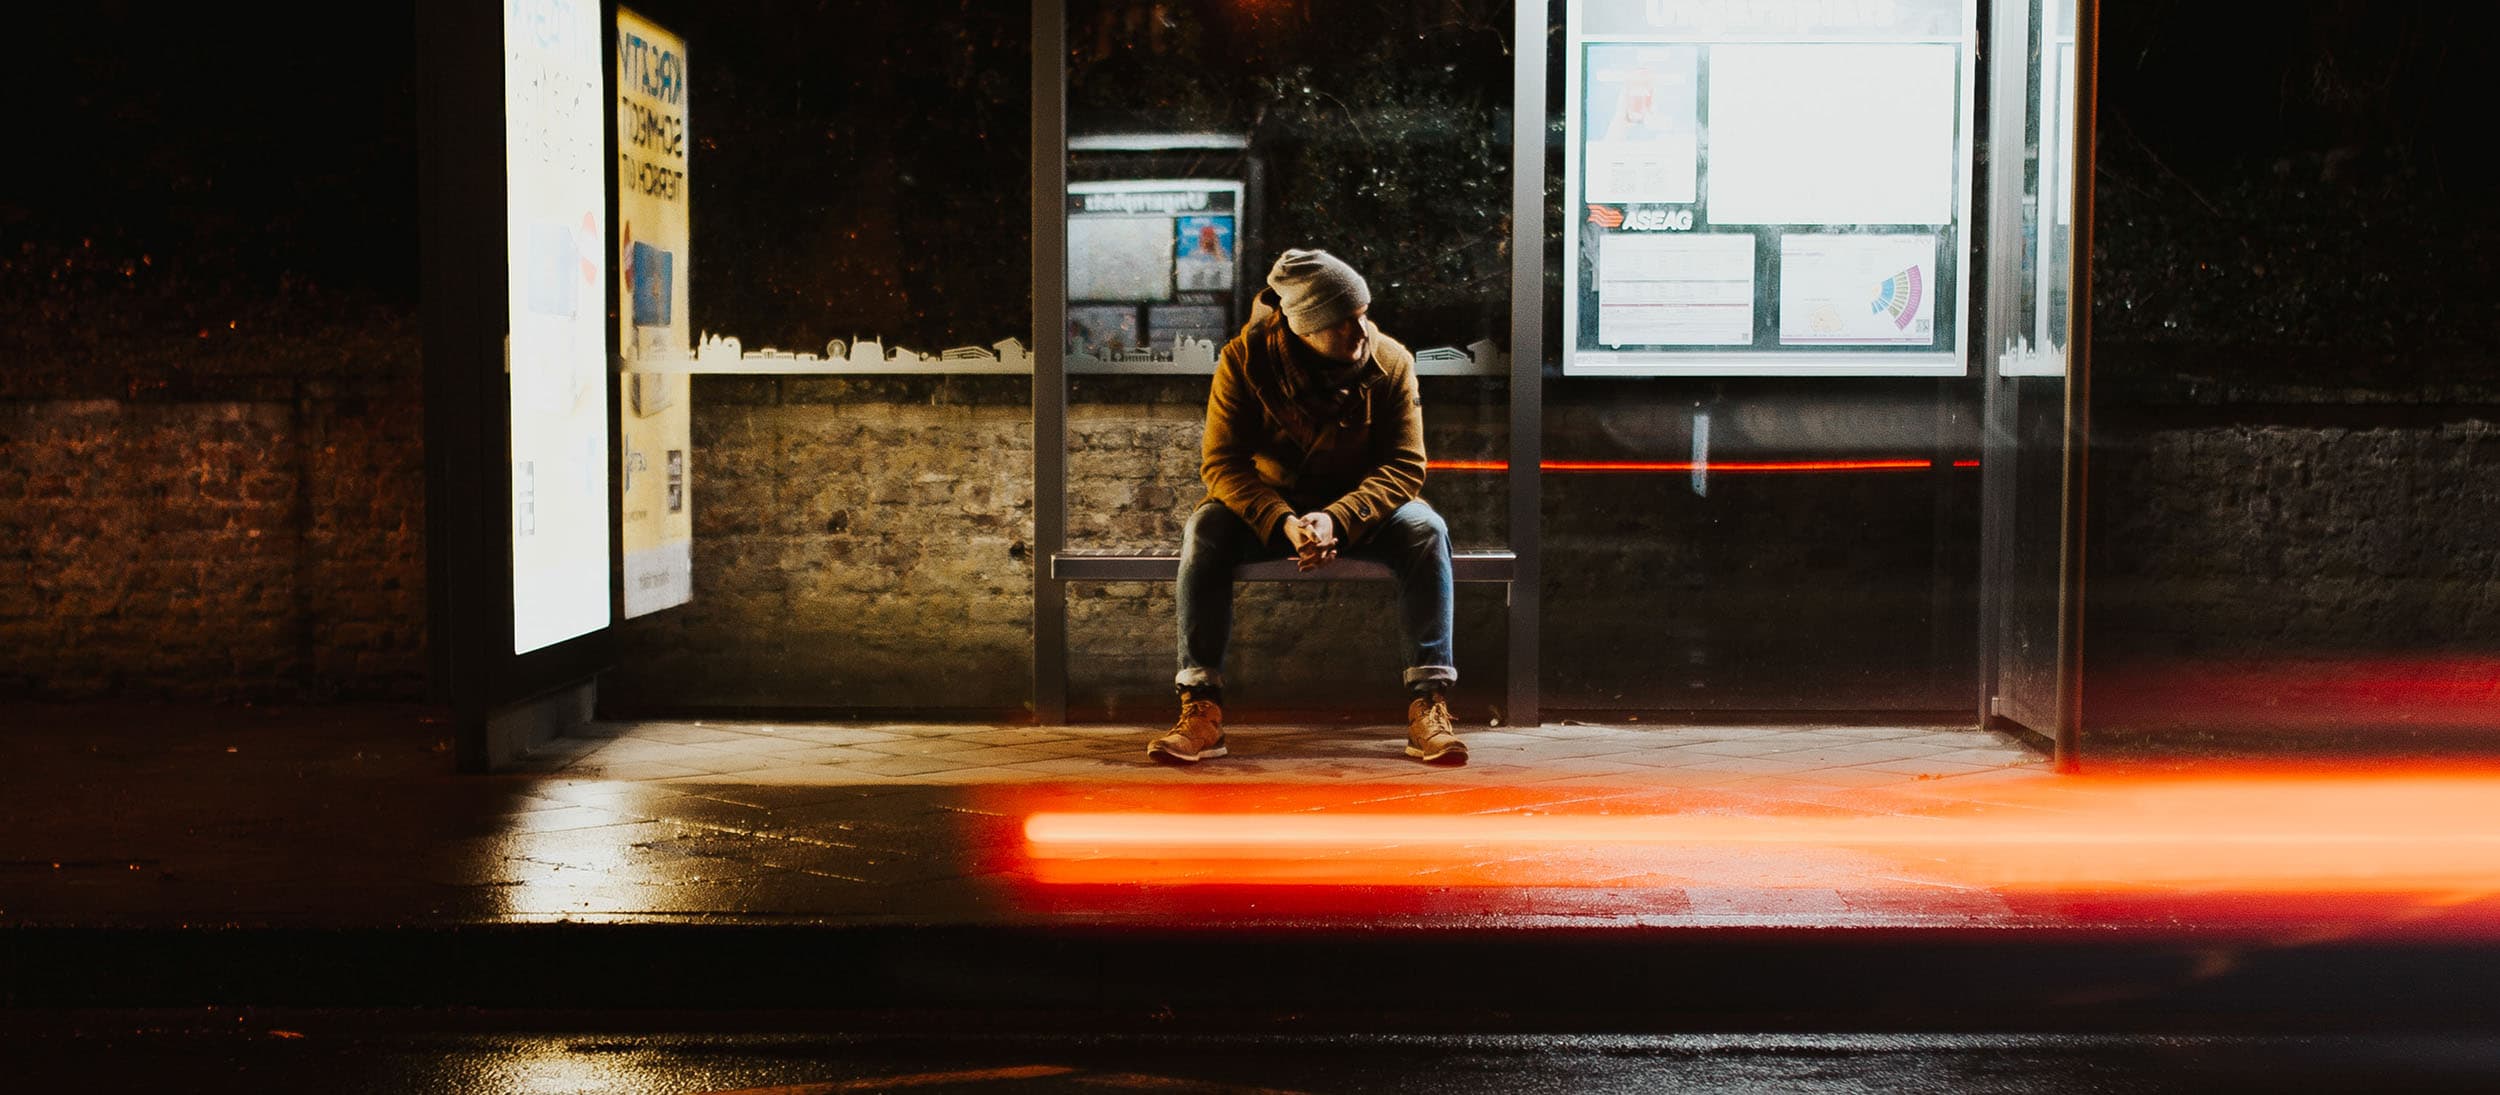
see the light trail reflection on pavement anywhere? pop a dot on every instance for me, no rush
(2403, 843)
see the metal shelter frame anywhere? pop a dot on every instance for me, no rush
(469, 484)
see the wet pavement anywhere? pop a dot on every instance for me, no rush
(1652, 876)
(352, 817)
(269, 1054)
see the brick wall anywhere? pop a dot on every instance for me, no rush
(228, 516)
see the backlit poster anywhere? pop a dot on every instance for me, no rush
(555, 248)
(1777, 187)
(654, 325)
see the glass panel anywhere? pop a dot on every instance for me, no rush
(2027, 414)
(861, 392)
(1759, 545)
(1781, 512)
(1206, 138)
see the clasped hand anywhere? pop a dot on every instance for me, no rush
(1314, 540)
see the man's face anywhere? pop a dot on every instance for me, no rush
(1350, 341)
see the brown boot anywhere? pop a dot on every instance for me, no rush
(1430, 736)
(1199, 735)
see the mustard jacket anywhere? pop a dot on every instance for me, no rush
(1281, 440)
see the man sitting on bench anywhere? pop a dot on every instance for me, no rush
(1315, 439)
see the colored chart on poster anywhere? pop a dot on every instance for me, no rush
(1644, 124)
(1857, 290)
(1832, 134)
(1676, 290)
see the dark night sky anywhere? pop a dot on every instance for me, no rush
(270, 146)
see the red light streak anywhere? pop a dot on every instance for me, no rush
(2423, 833)
(1727, 466)
(2354, 697)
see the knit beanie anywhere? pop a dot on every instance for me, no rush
(1317, 289)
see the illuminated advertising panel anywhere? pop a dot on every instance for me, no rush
(1774, 187)
(556, 352)
(654, 324)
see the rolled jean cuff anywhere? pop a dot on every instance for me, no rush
(1431, 674)
(1197, 677)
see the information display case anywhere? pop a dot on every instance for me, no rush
(1154, 272)
(1776, 188)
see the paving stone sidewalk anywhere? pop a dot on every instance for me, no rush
(353, 817)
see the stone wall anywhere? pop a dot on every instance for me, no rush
(858, 543)
(214, 513)
(2256, 539)
(863, 545)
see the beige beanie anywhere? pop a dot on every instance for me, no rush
(1317, 289)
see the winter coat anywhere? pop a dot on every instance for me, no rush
(1284, 437)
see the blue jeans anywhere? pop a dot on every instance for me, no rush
(1413, 543)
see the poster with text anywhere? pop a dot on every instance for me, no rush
(556, 263)
(1644, 135)
(655, 328)
(1694, 290)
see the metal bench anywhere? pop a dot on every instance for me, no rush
(1082, 565)
(1164, 566)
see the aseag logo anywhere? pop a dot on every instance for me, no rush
(1642, 218)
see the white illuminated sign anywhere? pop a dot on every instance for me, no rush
(555, 252)
(1773, 187)
(1822, 134)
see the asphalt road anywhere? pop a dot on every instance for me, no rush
(214, 1051)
